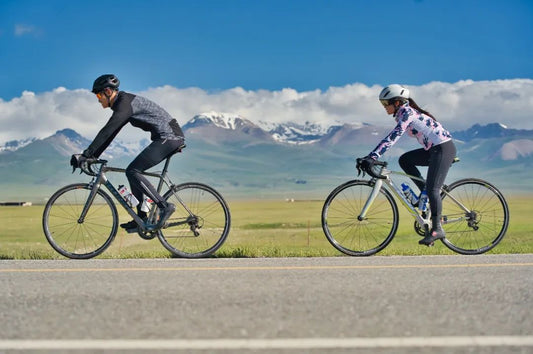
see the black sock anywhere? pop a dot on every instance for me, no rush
(435, 222)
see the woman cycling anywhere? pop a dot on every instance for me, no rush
(437, 153)
(166, 135)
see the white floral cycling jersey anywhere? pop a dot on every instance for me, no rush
(427, 131)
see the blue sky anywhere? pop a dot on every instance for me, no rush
(467, 62)
(271, 44)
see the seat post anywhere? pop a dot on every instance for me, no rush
(167, 162)
(165, 169)
(163, 174)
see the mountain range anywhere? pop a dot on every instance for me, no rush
(264, 160)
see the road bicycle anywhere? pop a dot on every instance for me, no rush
(360, 217)
(80, 220)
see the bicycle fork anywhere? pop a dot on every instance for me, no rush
(95, 185)
(370, 200)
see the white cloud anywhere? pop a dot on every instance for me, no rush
(458, 105)
(22, 30)
(40, 115)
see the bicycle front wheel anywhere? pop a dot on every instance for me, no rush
(200, 224)
(475, 216)
(74, 238)
(356, 237)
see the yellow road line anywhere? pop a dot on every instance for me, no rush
(252, 268)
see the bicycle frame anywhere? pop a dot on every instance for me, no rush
(101, 178)
(395, 190)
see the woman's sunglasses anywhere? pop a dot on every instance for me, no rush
(385, 103)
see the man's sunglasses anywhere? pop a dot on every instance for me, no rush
(100, 94)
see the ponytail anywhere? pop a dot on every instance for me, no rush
(413, 104)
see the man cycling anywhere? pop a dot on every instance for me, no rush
(166, 135)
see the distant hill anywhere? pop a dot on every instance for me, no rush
(494, 130)
(249, 160)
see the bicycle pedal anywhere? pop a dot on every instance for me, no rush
(131, 231)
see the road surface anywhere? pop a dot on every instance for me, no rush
(434, 304)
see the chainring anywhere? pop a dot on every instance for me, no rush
(419, 229)
(147, 235)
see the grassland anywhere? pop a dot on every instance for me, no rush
(259, 229)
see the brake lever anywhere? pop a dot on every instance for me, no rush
(359, 169)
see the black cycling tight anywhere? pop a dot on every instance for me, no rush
(153, 154)
(438, 159)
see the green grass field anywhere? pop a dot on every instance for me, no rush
(259, 229)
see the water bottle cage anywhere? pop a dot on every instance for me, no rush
(423, 202)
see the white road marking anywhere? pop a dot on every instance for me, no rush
(274, 343)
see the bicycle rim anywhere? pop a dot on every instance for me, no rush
(201, 234)
(359, 237)
(79, 240)
(484, 226)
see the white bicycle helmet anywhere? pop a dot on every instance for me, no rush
(393, 91)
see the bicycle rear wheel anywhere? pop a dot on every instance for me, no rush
(202, 233)
(359, 237)
(483, 226)
(67, 235)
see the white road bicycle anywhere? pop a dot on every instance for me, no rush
(360, 217)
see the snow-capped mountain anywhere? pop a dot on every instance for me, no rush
(354, 134)
(216, 128)
(493, 130)
(210, 125)
(222, 127)
(294, 133)
(221, 120)
(67, 142)
(14, 145)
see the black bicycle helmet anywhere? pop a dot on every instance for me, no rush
(107, 80)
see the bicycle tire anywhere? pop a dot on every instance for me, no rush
(484, 227)
(359, 237)
(211, 221)
(79, 240)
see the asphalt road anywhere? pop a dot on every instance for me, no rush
(436, 304)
